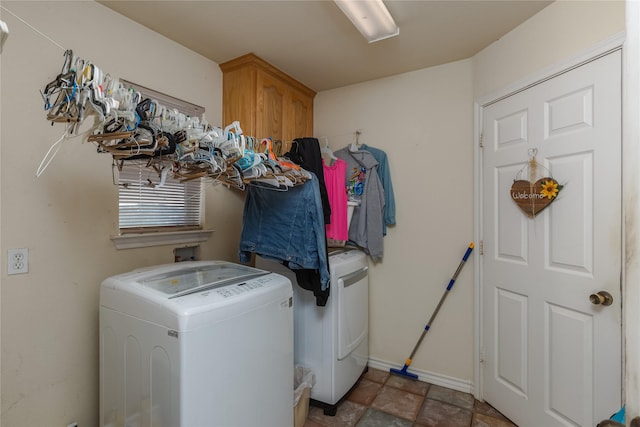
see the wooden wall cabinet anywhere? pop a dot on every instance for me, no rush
(266, 101)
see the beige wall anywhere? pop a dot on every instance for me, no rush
(422, 120)
(561, 30)
(65, 217)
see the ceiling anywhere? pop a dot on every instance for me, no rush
(312, 41)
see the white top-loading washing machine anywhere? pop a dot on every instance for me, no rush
(332, 341)
(196, 344)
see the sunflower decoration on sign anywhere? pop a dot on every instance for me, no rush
(536, 193)
(550, 189)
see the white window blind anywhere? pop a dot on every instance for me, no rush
(144, 203)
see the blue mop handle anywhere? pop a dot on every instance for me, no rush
(469, 249)
(464, 259)
(444, 296)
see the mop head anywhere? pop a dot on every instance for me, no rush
(403, 372)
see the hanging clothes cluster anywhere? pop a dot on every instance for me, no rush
(365, 174)
(295, 227)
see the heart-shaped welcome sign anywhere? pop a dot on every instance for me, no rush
(533, 198)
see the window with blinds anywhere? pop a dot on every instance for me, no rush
(146, 204)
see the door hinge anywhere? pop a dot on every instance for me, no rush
(482, 140)
(481, 247)
(481, 356)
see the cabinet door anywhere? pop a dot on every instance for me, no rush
(267, 102)
(270, 114)
(239, 94)
(299, 116)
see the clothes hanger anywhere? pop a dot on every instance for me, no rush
(326, 150)
(355, 146)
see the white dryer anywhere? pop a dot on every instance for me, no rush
(333, 341)
(192, 344)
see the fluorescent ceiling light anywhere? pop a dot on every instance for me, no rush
(371, 17)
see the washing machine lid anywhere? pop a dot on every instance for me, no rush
(185, 281)
(188, 295)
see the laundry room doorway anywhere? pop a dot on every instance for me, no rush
(550, 224)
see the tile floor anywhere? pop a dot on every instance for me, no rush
(384, 400)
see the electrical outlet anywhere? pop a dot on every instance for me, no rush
(18, 261)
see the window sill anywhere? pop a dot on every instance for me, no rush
(143, 240)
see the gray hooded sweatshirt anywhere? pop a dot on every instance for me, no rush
(363, 184)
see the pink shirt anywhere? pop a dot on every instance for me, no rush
(335, 181)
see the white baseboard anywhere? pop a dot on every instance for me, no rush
(429, 377)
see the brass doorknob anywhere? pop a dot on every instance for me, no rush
(601, 298)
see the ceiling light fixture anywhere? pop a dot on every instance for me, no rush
(371, 17)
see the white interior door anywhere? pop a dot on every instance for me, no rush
(550, 356)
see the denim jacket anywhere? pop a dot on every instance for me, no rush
(286, 226)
